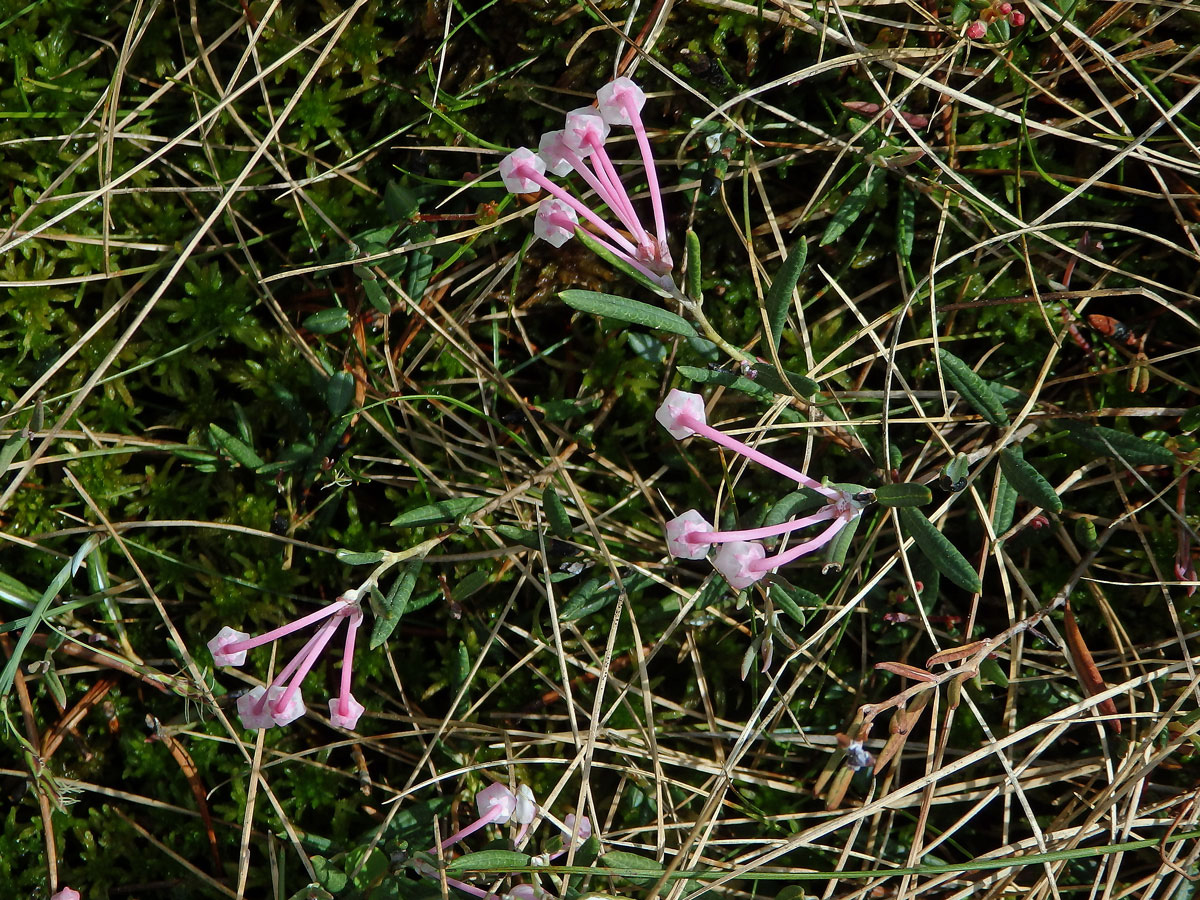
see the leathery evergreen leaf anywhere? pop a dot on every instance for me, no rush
(1028, 481)
(938, 549)
(693, 267)
(394, 605)
(609, 306)
(907, 493)
(556, 514)
(1119, 445)
(239, 451)
(779, 297)
(973, 389)
(442, 511)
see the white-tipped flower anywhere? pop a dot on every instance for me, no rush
(585, 130)
(555, 153)
(225, 637)
(496, 803)
(680, 404)
(256, 708)
(734, 561)
(354, 710)
(678, 531)
(617, 98)
(526, 807)
(515, 169)
(555, 222)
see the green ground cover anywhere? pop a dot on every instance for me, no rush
(272, 330)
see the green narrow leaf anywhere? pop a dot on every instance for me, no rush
(556, 514)
(791, 505)
(637, 869)
(328, 321)
(779, 297)
(618, 263)
(1119, 445)
(993, 672)
(836, 550)
(523, 536)
(1028, 481)
(906, 216)
(1188, 422)
(778, 380)
(487, 861)
(355, 558)
(693, 267)
(625, 310)
(420, 268)
(973, 389)
(394, 605)
(239, 451)
(469, 584)
(442, 511)
(1085, 534)
(1006, 505)
(792, 601)
(847, 214)
(12, 447)
(462, 666)
(938, 549)
(907, 493)
(339, 392)
(726, 379)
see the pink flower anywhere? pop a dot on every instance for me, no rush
(579, 146)
(281, 702)
(66, 894)
(977, 30)
(1017, 18)
(741, 560)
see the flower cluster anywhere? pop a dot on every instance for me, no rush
(579, 146)
(280, 702)
(741, 560)
(498, 805)
(999, 10)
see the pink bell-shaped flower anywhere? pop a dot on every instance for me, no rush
(681, 528)
(218, 647)
(736, 560)
(678, 406)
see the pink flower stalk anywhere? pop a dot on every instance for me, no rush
(279, 703)
(579, 147)
(740, 559)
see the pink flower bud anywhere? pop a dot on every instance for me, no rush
(976, 30)
(555, 222)
(585, 827)
(354, 710)
(1004, 8)
(734, 561)
(225, 637)
(1017, 18)
(526, 807)
(515, 170)
(678, 531)
(680, 403)
(617, 99)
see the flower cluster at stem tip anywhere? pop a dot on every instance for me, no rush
(741, 559)
(281, 702)
(579, 146)
(498, 805)
(998, 10)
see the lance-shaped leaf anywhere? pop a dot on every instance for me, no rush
(1085, 534)
(847, 214)
(328, 321)
(693, 267)
(488, 861)
(441, 511)
(954, 654)
(977, 392)
(556, 514)
(938, 549)
(904, 719)
(792, 600)
(779, 297)
(1085, 667)
(904, 670)
(906, 218)
(359, 558)
(726, 379)
(392, 607)
(1110, 442)
(1006, 505)
(836, 550)
(993, 672)
(638, 869)
(622, 309)
(1028, 481)
(241, 452)
(907, 493)
(785, 381)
